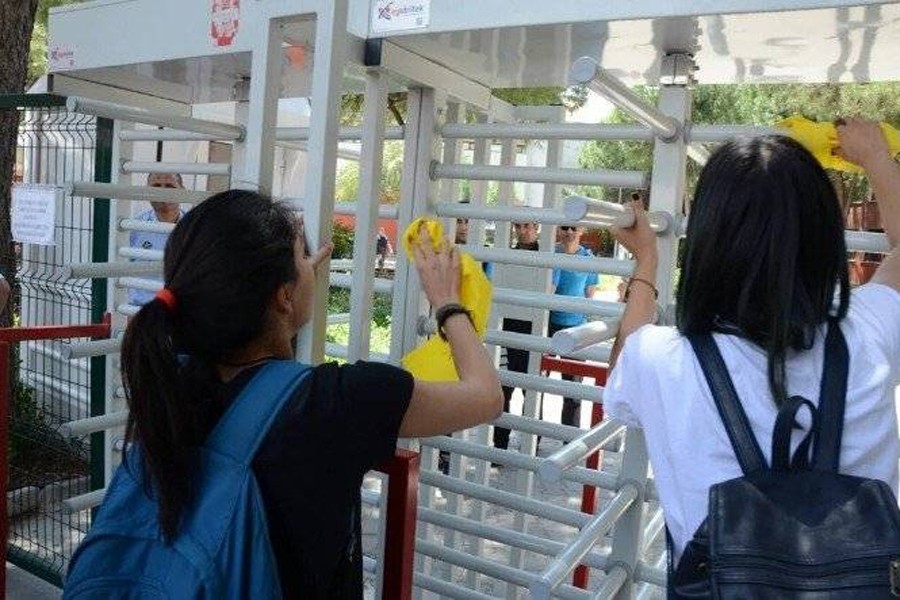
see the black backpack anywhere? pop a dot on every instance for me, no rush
(797, 529)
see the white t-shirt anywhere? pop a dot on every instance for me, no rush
(658, 385)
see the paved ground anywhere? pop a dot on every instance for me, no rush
(21, 585)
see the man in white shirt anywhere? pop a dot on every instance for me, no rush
(161, 212)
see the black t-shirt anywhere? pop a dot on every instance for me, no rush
(340, 422)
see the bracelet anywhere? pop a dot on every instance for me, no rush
(645, 282)
(448, 310)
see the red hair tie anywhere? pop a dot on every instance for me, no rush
(166, 296)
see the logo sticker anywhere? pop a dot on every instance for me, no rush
(224, 21)
(399, 15)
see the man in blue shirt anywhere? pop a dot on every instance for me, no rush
(571, 283)
(162, 212)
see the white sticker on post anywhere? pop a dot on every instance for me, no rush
(34, 213)
(400, 15)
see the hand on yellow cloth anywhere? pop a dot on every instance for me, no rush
(821, 140)
(433, 360)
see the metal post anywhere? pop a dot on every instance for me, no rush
(367, 216)
(331, 36)
(5, 410)
(400, 538)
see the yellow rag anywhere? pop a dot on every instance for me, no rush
(433, 360)
(821, 140)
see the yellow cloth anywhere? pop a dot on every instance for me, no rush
(433, 361)
(821, 139)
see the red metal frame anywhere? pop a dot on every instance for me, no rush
(400, 532)
(599, 373)
(9, 336)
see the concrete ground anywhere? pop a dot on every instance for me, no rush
(21, 585)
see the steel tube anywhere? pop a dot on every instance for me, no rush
(552, 260)
(446, 589)
(649, 574)
(164, 135)
(83, 502)
(128, 310)
(559, 387)
(607, 178)
(111, 269)
(82, 427)
(295, 134)
(566, 341)
(608, 214)
(141, 254)
(133, 166)
(137, 283)
(525, 214)
(587, 71)
(551, 468)
(120, 112)
(131, 192)
(343, 280)
(93, 348)
(566, 433)
(612, 583)
(536, 343)
(723, 133)
(553, 575)
(547, 131)
(147, 226)
(867, 241)
(385, 211)
(588, 306)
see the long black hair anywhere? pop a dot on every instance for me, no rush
(223, 263)
(765, 253)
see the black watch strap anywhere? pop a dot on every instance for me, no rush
(448, 310)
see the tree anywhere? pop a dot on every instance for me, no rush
(16, 25)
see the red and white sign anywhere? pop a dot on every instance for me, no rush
(224, 21)
(61, 57)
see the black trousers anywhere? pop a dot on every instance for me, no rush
(517, 361)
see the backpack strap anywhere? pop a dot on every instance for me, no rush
(746, 448)
(832, 400)
(247, 421)
(781, 435)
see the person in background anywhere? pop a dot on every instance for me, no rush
(161, 212)
(461, 238)
(383, 247)
(516, 358)
(580, 284)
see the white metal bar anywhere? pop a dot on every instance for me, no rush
(111, 269)
(644, 572)
(447, 589)
(546, 216)
(143, 254)
(867, 241)
(370, 497)
(653, 530)
(567, 560)
(576, 338)
(370, 565)
(723, 133)
(147, 226)
(385, 211)
(551, 468)
(296, 134)
(541, 344)
(137, 283)
(82, 427)
(516, 539)
(341, 264)
(623, 179)
(612, 583)
(338, 319)
(93, 348)
(587, 71)
(553, 260)
(120, 112)
(588, 306)
(340, 351)
(331, 42)
(698, 153)
(128, 310)
(165, 135)
(556, 431)
(138, 193)
(547, 131)
(514, 459)
(343, 280)
(608, 214)
(133, 166)
(363, 286)
(560, 387)
(83, 502)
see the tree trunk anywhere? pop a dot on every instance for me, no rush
(16, 24)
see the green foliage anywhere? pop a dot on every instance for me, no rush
(342, 238)
(347, 182)
(339, 303)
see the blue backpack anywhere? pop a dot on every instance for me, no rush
(222, 549)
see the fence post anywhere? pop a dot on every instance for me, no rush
(400, 536)
(5, 404)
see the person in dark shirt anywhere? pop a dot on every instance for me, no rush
(185, 358)
(516, 358)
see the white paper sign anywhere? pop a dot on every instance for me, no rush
(61, 58)
(34, 213)
(400, 15)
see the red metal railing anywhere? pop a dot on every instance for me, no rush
(400, 532)
(598, 373)
(8, 336)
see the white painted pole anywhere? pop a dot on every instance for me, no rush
(82, 427)
(600, 177)
(133, 166)
(551, 468)
(130, 192)
(576, 338)
(608, 214)
(547, 131)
